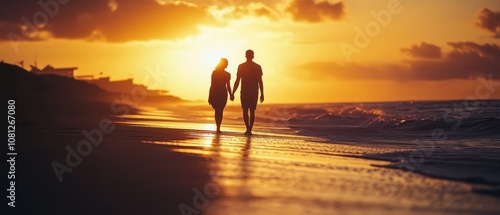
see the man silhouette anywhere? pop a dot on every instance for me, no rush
(250, 74)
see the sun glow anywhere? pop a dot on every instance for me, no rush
(212, 55)
(300, 55)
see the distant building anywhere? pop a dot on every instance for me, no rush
(122, 86)
(50, 70)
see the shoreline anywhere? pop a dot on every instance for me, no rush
(244, 168)
(157, 166)
(293, 132)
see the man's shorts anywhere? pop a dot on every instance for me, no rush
(249, 101)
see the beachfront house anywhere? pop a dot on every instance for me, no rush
(50, 70)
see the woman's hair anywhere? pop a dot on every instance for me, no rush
(222, 64)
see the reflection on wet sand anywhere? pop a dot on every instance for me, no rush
(265, 174)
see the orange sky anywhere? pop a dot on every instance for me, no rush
(310, 51)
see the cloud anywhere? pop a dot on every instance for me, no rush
(474, 50)
(264, 12)
(309, 11)
(251, 9)
(133, 20)
(489, 21)
(114, 20)
(424, 50)
(466, 60)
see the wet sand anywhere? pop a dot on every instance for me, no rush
(280, 173)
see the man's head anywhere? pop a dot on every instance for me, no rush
(249, 54)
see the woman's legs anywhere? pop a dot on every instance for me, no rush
(218, 118)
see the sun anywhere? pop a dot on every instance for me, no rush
(213, 55)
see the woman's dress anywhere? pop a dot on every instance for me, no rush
(218, 91)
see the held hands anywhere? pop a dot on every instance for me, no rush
(231, 97)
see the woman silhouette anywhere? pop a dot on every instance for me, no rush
(219, 89)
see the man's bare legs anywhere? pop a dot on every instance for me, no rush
(249, 120)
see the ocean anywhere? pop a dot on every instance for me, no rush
(452, 140)
(457, 140)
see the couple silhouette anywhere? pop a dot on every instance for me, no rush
(250, 75)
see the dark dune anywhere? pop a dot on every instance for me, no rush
(51, 95)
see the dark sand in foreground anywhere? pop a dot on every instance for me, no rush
(120, 176)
